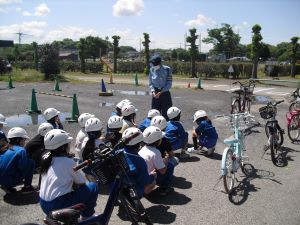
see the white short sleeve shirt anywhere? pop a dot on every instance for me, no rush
(153, 158)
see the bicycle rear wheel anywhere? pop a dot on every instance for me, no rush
(133, 206)
(276, 154)
(229, 177)
(294, 128)
(235, 106)
(278, 132)
(294, 106)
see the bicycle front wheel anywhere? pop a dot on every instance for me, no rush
(276, 154)
(294, 128)
(278, 133)
(247, 105)
(229, 170)
(235, 106)
(133, 206)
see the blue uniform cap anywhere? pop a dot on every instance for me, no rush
(155, 60)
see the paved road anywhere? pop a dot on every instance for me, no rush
(270, 196)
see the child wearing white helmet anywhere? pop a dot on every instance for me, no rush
(114, 126)
(59, 179)
(119, 107)
(155, 163)
(205, 133)
(82, 133)
(15, 166)
(176, 133)
(3, 139)
(52, 116)
(146, 122)
(93, 128)
(129, 114)
(165, 147)
(143, 181)
(35, 147)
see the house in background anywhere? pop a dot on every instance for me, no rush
(71, 55)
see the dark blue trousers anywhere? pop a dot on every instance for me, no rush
(163, 103)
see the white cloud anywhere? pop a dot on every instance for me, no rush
(128, 7)
(6, 2)
(239, 27)
(200, 20)
(41, 10)
(3, 10)
(19, 9)
(127, 37)
(71, 32)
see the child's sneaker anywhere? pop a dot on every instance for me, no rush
(192, 150)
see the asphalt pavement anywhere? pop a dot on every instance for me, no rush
(271, 195)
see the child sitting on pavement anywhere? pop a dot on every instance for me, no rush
(114, 126)
(119, 107)
(175, 132)
(129, 114)
(146, 122)
(3, 139)
(205, 133)
(52, 117)
(35, 147)
(165, 147)
(15, 166)
(82, 133)
(155, 163)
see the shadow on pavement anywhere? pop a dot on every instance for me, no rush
(240, 193)
(172, 198)
(164, 217)
(181, 183)
(19, 198)
(189, 159)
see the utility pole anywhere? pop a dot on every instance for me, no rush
(200, 43)
(140, 49)
(185, 41)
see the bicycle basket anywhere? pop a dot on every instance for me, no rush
(266, 112)
(106, 169)
(248, 89)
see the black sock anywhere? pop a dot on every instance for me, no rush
(195, 142)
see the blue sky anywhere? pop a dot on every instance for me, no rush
(166, 21)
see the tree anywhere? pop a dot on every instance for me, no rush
(224, 40)
(93, 46)
(16, 52)
(295, 47)
(82, 53)
(35, 56)
(255, 48)
(193, 49)
(49, 63)
(116, 50)
(174, 54)
(147, 52)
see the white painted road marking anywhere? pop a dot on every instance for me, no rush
(221, 85)
(277, 93)
(263, 89)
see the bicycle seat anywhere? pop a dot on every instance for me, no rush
(68, 215)
(230, 140)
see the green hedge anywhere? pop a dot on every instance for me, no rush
(280, 70)
(202, 69)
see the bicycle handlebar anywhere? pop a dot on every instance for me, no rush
(245, 84)
(275, 103)
(81, 165)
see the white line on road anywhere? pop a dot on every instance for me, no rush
(233, 89)
(263, 89)
(221, 85)
(277, 93)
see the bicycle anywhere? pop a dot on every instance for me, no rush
(294, 99)
(273, 131)
(242, 101)
(293, 125)
(107, 165)
(233, 156)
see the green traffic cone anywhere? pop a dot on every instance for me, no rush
(33, 104)
(10, 84)
(57, 85)
(136, 80)
(75, 110)
(199, 84)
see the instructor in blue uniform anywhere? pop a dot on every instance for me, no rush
(160, 83)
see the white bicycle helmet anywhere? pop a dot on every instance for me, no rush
(173, 112)
(50, 113)
(115, 122)
(199, 114)
(159, 121)
(2, 119)
(17, 132)
(122, 103)
(128, 110)
(93, 124)
(152, 134)
(56, 138)
(132, 131)
(152, 113)
(83, 118)
(44, 128)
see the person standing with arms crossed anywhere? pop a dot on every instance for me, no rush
(160, 83)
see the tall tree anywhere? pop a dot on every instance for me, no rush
(147, 52)
(82, 53)
(93, 46)
(116, 51)
(16, 52)
(49, 60)
(295, 46)
(193, 49)
(255, 48)
(224, 40)
(35, 55)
